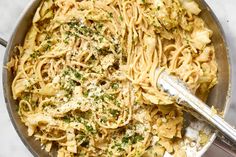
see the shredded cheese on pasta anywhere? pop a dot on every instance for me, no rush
(85, 75)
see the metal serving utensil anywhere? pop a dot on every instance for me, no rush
(179, 91)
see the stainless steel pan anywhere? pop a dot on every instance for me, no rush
(219, 96)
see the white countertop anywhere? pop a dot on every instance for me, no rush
(10, 10)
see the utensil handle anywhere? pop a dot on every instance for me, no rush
(225, 145)
(177, 88)
(3, 42)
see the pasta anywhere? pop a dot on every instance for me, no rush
(85, 76)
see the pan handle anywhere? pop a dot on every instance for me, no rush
(3, 42)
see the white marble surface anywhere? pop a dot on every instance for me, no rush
(9, 13)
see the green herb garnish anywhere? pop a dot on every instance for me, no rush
(35, 54)
(115, 113)
(77, 75)
(66, 119)
(121, 18)
(85, 93)
(115, 85)
(132, 139)
(110, 15)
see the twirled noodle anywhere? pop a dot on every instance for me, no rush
(85, 76)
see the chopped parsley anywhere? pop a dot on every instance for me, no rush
(100, 39)
(187, 40)
(35, 54)
(80, 28)
(99, 26)
(47, 104)
(95, 97)
(115, 85)
(48, 45)
(117, 103)
(118, 146)
(66, 119)
(103, 119)
(108, 96)
(125, 140)
(71, 71)
(85, 93)
(65, 72)
(68, 87)
(110, 153)
(132, 139)
(89, 127)
(66, 41)
(110, 15)
(121, 18)
(115, 113)
(77, 75)
(136, 138)
(68, 83)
